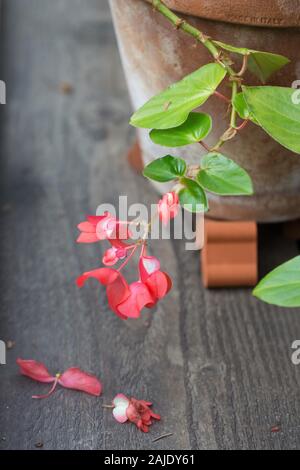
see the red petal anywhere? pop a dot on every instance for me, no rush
(95, 219)
(158, 284)
(117, 288)
(76, 379)
(115, 242)
(104, 275)
(117, 292)
(35, 370)
(147, 266)
(85, 237)
(86, 227)
(138, 299)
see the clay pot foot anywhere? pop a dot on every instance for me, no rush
(229, 257)
(135, 158)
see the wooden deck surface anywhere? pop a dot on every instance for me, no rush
(216, 364)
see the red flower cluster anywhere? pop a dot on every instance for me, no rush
(135, 411)
(125, 300)
(73, 378)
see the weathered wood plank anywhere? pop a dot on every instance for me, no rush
(215, 363)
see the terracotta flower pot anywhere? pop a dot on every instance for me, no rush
(155, 55)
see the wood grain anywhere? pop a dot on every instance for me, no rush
(216, 364)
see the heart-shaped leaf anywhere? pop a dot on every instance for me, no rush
(264, 64)
(242, 109)
(282, 286)
(192, 197)
(223, 176)
(261, 64)
(165, 169)
(194, 129)
(276, 113)
(172, 107)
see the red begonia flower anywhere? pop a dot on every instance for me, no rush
(168, 207)
(139, 298)
(135, 411)
(158, 282)
(113, 255)
(88, 229)
(73, 378)
(104, 227)
(117, 289)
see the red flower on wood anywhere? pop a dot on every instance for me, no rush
(135, 411)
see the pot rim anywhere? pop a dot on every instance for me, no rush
(244, 12)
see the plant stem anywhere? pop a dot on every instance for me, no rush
(244, 66)
(128, 258)
(179, 23)
(204, 145)
(222, 97)
(233, 111)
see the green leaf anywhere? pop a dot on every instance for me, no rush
(192, 196)
(172, 107)
(195, 128)
(261, 64)
(165, 169)
(282, 286)
(242, 109)
(223, 176)
(264, 64)
(274, 110)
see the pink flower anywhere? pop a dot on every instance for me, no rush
(113, 255)
(103, 227)
(73, 378)
(106, 227)
(168, 207)
(135, 411)
(88, 229)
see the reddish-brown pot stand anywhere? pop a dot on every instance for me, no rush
(229, 257)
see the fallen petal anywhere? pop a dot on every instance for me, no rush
(35, 370)
(76, 379)
(121, 403)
